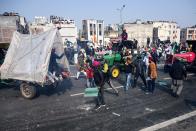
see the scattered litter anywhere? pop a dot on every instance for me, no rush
(86, 107)
(148, 109)
(115, 114)
(162, 83)
(107, 108)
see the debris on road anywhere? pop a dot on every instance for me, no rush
(149, 109)
(115, 114)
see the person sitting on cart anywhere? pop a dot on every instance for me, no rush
(54, 66)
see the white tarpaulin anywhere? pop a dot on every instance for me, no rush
(28, 56)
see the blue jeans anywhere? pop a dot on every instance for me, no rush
(128, 81)
(90, 82)
(151, 85)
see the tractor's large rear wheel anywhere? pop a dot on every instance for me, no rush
(115, 71)
(28, 91)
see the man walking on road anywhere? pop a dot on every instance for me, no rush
(139, 65)
(177, 73)
(152, 74)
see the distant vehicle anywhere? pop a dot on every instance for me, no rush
(10, 22)
(188, 58)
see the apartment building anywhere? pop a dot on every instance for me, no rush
(166, 30)
(93, 30)
(188, 33)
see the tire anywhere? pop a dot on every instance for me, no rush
(28, 91)
(114, 71)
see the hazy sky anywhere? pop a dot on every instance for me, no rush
(181, 11)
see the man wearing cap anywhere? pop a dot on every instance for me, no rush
(177, 73)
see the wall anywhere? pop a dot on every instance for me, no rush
(140, 32)
(166, 30)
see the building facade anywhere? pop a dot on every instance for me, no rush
(111, 31)
(139, 31)
(93, 30)
(188, 33)
(166, 30)
(67, 28)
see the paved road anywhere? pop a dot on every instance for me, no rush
(65, 108)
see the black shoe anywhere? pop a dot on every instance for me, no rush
(175, 95)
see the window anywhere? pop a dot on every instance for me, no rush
(173, 32)
(174, 26)
(100, 42)
(84, 27)
(169, 32)
(94, 28)
(91, 32)
(191, 31)
(100, 32)
(100, 29)
(99, 26)
(91, 27)
(189, 37)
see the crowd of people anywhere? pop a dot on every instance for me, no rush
(143, 65)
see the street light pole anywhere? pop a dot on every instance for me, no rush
(120, 24)
(120, 10)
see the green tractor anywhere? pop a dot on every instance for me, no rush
(116, 60)
(115, 63)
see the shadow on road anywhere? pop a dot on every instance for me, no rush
(9, 84)
(62, 87)
(190, 102)
(164, 88)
